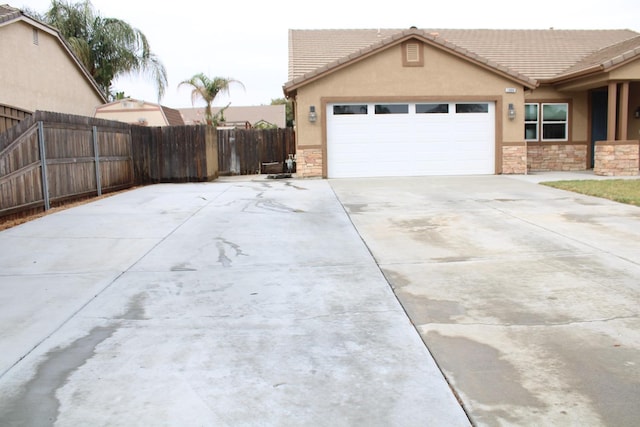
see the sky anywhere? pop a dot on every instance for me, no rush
(247, 40)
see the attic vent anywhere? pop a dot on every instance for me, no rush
(413, 55)
(35, 37)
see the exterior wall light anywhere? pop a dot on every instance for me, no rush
(511, 112)
(312, 114)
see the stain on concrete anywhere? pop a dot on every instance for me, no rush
(422, 310)
(480, 373)
(613, 382)
(581, 218)
(274, 206)
(182, 267)
(356, 208)
(292, 185)
(135, 308)
(395, 278)
(223, 259)
(421, 224)
(36, 404)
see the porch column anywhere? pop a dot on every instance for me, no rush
(624, 111)
(611, 117)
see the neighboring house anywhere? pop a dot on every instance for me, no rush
(134, 111)
(38, 70)
(452, 102)
(242, 117)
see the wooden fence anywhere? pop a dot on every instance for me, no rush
(49, 158)
(10, 116)
(174, 154)
(247, 151)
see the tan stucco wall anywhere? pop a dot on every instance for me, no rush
(578, 108)
(382, 77)
(41, 77)
(132, 112)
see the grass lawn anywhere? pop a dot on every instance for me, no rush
(619, 190)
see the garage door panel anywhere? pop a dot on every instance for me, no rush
(410, 144)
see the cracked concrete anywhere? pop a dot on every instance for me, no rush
(527, 296)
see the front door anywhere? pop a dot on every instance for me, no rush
(599, 102)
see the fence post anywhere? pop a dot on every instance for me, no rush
(96, 154)
(43, 167)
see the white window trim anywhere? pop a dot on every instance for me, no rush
(537, 122)
(540, 122)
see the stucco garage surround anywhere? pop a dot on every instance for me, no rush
(410, 139)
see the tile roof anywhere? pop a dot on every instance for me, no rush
(173, 116)
(8, 13)
(525, 54)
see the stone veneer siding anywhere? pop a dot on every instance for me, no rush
(514, 159)
(617, 158)
(309, 162)
(557, 157)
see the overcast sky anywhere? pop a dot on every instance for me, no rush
(247, 39)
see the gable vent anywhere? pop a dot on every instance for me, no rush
(35, 37)
(413, 55)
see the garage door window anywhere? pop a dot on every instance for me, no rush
(392, 108)
(432, 108)
(339, 110)
(472, 108)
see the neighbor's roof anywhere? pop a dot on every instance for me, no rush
(274, 114)
(171, 115)
(532, 55)
(9, 15)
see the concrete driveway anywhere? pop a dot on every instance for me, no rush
(528, 297)
(237, 302)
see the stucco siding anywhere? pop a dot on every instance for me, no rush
(382, 77)
(42, 76)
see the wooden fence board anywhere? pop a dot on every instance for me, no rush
(244, 151)
(85, 156)
(11, 116)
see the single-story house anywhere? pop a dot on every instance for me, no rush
(139, 112)
(241, 116)
(412, 102)
(39, 71)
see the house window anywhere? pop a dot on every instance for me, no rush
(35, 37)
(472, 108)
(339, 110)
(546, 122)
(392, 109)
(432, 108)
(531, 122)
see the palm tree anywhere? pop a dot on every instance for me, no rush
(107, 47)
(207, 89)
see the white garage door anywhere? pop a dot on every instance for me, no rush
(410, 139)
